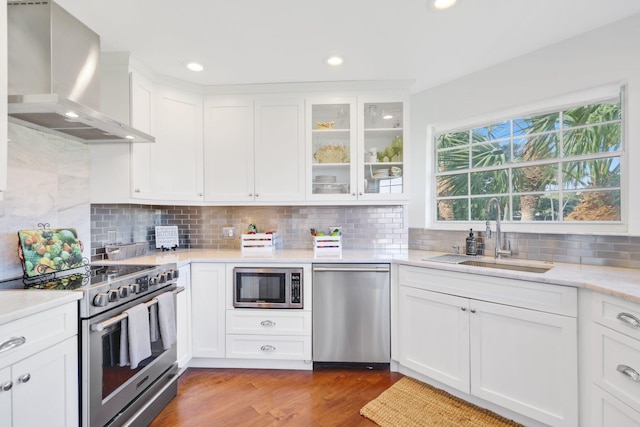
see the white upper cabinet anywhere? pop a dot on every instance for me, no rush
(254, 149)
(382, 148)
(176, 160)
(142, 114)
(3, 95)
(279, 149)
(228, 149)
(355, 148)
(331, 149)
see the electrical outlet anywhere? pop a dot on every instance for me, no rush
(228, 232)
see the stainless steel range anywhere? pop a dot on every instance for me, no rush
(112, 394)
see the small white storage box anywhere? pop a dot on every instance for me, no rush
(260, 242)
(327, 245)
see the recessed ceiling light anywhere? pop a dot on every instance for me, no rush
(71, 115)
(441, 4)
(335, 61)
(130, 137)
(194, 66)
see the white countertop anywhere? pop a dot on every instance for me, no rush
(620, 282)
(19, 303)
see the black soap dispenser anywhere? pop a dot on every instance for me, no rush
(472, 244)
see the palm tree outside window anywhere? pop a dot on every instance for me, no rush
(560, 166)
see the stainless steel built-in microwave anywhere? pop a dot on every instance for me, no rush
(267, 287)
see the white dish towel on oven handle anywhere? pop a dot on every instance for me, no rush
(135, 342)
(167, 319)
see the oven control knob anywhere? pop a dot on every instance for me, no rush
(113, 295)
(124, 291)
(163, 277)
(153, 280)
(175, 273)
(135, 288)
(101, 300)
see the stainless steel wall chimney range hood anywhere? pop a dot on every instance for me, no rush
(54, 75)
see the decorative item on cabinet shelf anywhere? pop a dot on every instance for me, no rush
(332, 154)
(324, 125)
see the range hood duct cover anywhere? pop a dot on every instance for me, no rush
(54, 69)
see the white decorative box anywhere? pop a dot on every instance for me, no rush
(260, 242)
(327, 245)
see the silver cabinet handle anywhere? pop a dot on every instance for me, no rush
(12, 343)
(463, 308)
(137, 190)
(24, 378)
(629, 372)
(268, 323)
(6, 386)
(629, 319)
(257, 195)
(473, 310)
(268, 348)
(250, 194)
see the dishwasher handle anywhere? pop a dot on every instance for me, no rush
(352, 269)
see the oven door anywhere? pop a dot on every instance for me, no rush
(108, 388)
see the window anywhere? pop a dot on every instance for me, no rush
(559, 166)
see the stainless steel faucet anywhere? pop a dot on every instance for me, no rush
(499, 249)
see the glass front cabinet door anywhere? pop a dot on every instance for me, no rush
(381, 168)
(356, 149)
(331, 136)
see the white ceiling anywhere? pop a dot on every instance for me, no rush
(282, 41)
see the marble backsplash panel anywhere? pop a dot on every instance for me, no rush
(48, 182)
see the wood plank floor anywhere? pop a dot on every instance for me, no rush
(255, 397)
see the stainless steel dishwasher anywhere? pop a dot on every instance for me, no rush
(351, 315)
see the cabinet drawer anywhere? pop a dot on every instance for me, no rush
(268, 322)
(617, 365)
(620, 315)
(39, 331)
(276, 347)
(607, 411)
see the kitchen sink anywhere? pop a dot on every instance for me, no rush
(504, 266)
(486, 263)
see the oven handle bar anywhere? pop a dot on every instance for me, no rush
(116, 319)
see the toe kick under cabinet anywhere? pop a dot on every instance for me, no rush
(268, 334)
(510, 343)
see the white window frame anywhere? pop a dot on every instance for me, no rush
(593, 95)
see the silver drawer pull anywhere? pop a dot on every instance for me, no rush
(25, 378)
(12, 343)
(268, 323)
(629, 372)
(268, 348)
(629, 319)
(6, 386)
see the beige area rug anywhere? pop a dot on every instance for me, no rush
(411, 403)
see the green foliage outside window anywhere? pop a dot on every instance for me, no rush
(560, 166)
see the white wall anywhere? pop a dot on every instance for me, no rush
(608, 55)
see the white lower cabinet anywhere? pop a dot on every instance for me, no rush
(208, 310)
(45, 387)
(521, 359)
(183, 317)
(269, 334)
(39, 369)
(607, 411)
(613, 335)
